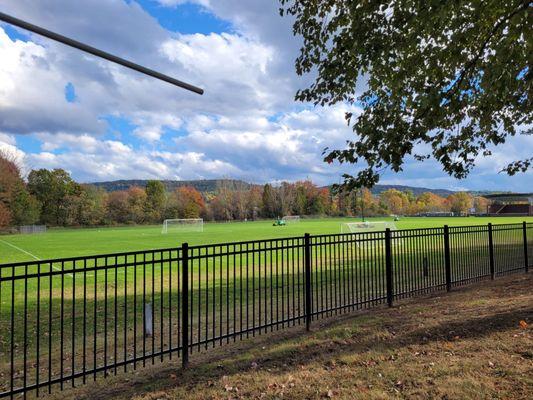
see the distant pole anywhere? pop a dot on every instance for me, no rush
(362, 207)
(308, 287)
(97, 52)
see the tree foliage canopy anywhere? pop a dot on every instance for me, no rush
(444, 79)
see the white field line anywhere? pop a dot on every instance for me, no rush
(31, 255)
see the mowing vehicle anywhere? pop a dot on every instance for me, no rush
(279, 222)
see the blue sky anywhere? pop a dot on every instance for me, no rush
(60, 108)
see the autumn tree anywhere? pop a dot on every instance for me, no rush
(395, 201)
(5, 216)
(155, 200)
(301, 198)
(254, 196)
(286, 196)
(25, 208)
(53, 190)
(117, 207)
(19, 206)
(320, 203)
(92, 206)
(185, 202)
(270, 208)
(430, 202)
(434, 79)
(137, 200)
(481, 204)
(364, 203)
(460, 203)
(222, 204)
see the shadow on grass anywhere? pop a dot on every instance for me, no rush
(330, 339)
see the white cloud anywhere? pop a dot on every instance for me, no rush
(7, 139)
(247, 124)
(8, 148)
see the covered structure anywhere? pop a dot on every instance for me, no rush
(510, 204)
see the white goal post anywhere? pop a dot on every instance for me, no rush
(368, 226)
(291, 218)
(183, 225)
(31, 229)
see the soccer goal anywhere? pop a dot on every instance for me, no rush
(368, 226)
(183, 225)
(30, 229)
(289, 219)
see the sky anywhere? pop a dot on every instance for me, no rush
(61, 108)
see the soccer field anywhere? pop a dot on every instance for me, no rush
(64, 242)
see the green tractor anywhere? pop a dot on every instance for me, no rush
(279, 222)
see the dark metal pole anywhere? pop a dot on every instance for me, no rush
(491, 252)
(185, 305)
(98, 53)
(388, 266)
(447, 258)
(307, 256)
(526, 257)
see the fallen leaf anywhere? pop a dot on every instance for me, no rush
(523, 324)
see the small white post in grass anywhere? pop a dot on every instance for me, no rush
(148, 319)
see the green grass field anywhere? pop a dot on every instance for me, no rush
(100, 304)
(61, 242)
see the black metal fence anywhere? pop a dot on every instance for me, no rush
(66, 321)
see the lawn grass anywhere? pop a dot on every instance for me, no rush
(64, 242)
(469, 344)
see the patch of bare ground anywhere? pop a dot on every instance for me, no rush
(473, 343)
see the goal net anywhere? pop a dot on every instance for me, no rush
(369, 226)
(28, 229)
(291, 218)
(183, 225)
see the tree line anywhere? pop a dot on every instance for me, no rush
(53, 198)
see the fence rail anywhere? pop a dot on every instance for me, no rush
(66, 321)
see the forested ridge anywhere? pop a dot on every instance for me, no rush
(53, 198)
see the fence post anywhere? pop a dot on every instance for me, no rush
(491, 252)
(526, 258)
(185, 305)
(307, 259)
(388, 266)
(447, 258)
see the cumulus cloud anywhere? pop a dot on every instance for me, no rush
(9, 149)
(247, 124)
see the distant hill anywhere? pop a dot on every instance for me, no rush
(203, 186)
(416, 190)
(211, 185)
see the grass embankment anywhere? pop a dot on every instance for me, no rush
(474, 343)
